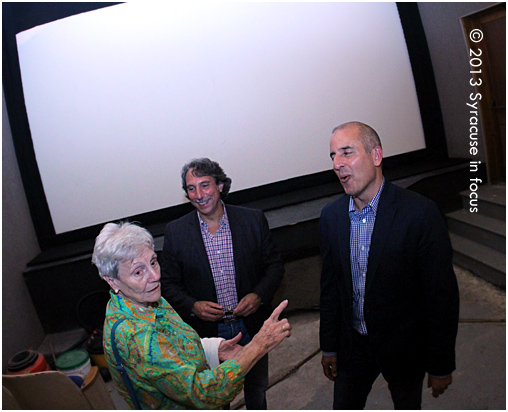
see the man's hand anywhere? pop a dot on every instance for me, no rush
(229, 348)
(329, 364)
(438, 385)
(248, 305)
(208, 311)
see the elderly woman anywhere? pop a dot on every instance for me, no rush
(169, 366)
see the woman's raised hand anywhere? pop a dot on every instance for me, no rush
(273, 330)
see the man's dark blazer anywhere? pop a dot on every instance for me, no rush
(187, 276)
(411, 296)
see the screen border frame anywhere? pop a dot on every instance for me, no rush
(18, 17)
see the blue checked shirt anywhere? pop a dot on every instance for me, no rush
(362, 225)
(219, 248)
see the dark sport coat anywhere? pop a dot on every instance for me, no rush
(187, 276)
(411, 296)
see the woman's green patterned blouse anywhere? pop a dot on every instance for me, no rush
(165, 359)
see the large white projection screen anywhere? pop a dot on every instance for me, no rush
(118, 99)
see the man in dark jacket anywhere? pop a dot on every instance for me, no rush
(389, 296)
(220, 267)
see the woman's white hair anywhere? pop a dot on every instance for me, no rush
(117, 242)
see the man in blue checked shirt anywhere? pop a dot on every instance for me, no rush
(220, 267)
(389, 296)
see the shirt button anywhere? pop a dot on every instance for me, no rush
(364, 220)
(364, 274)
(363, 247)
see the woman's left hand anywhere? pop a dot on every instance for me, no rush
(229, 348)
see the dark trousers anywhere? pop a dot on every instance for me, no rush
(256, 381)
(355, 379)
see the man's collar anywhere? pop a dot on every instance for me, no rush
(224, 218)
(374, 203)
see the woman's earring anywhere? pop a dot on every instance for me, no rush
(116, 291)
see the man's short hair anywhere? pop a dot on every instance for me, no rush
(369, 136)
